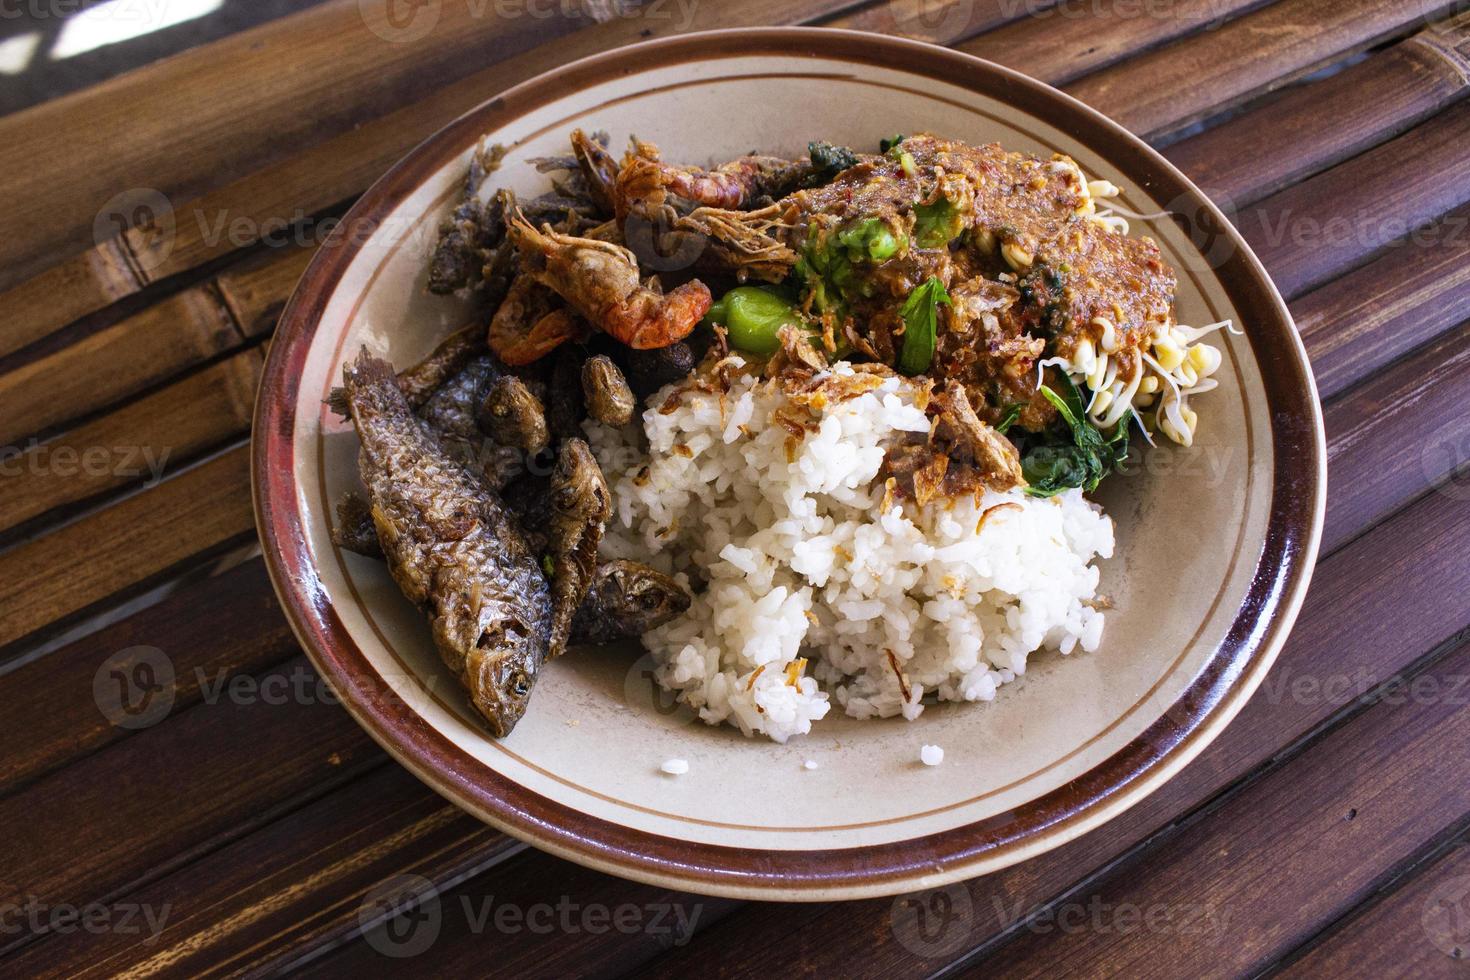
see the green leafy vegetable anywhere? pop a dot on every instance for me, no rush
(1009, 418)
(889, 142)
(829, 160)
(1081, 455)
(920, 314)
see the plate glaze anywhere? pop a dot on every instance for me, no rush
(1215, 543)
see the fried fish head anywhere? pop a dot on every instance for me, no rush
(648, 596)
(501, 669)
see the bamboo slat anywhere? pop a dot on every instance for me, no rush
(127, 815)
(1360, 323)
(142, 350)
(66, 292)
(137, 443)
(655, 919)
(294, 887)
(1396, 434)
(1416, 930)
(348, 63)
(1292, 138)
(256, 290)
(939, 21)
(212, 628)
(1326, 829)
(124, 545)
(1061, 44)
(1321, 228)
(1163, 91)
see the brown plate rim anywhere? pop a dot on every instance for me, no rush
(1282, 570)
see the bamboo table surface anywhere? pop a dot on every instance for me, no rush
(180, 793)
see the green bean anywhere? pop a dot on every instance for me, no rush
(754, 318)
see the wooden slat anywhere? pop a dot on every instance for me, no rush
(1346, 642)
(1360, 323)
(1416, 930)
(1061, 44)
(212, 628)
(1246, 157)
(345, 64)
(294, 886)
(570, 931)
(1399, 432)
(150, 803)
(144, 349)
(55, 576)
(1327, 828)
(1163, 91)
(1319, 229)
(134, 444)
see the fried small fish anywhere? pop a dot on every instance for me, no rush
(430, 374)
(606, 392)
(453, 412)
(626, 600)
(453, 548)
(512, 415)
(580, 506)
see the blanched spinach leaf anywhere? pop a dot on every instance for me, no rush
(1079, 455)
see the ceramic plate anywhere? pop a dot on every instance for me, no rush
(1215, 543)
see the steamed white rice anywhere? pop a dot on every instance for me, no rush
(795, 558)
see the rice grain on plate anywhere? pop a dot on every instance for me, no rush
(810, 591)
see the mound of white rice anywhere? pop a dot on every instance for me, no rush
(791, 555)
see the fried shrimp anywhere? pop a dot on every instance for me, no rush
(528, 326)
(600, 281)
